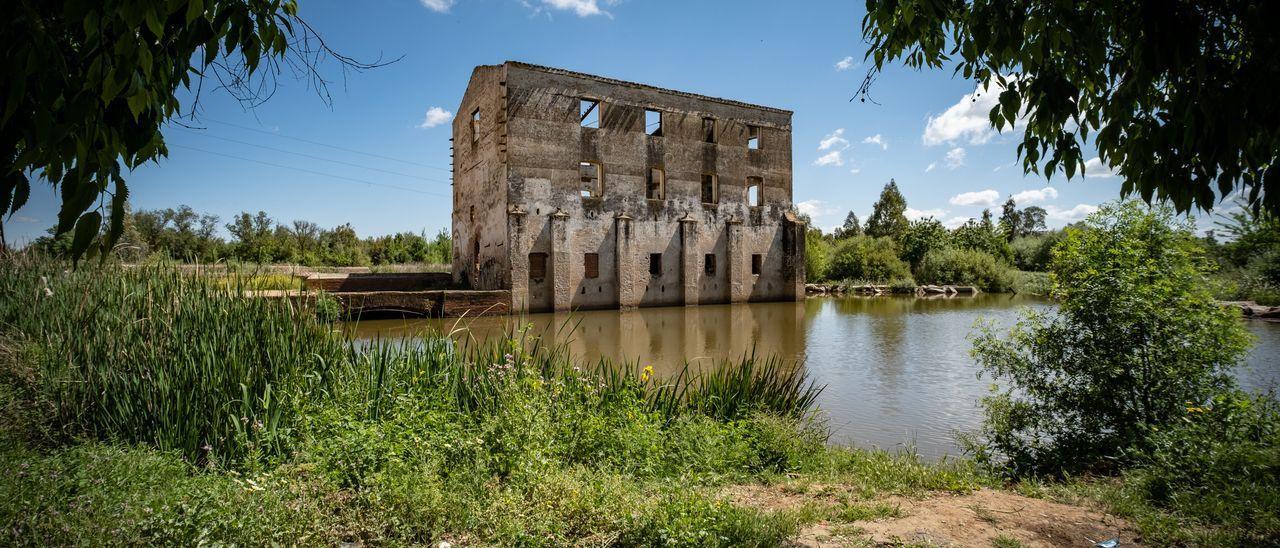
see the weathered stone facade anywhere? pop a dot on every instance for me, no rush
(575, 191)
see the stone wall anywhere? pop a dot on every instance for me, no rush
(542, 144)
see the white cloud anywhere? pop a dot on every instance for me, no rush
(932, 166)
(833, 140)
(877, 140)
(435, 116)
(913, 214)
(829, 159)
(955, 222)
(845, 64)
(980, 198)
(855, 170)
(836, 144)
(955, 157)
(1032, 196)
(967, 119)
(440, 6)
(581, 8)
(815, 208)
(1094, 168)
(25, 219)
(1076, 213)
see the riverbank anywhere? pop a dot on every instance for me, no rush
(149, 407)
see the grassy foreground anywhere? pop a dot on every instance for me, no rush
(146, 406)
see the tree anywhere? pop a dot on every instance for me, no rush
(254, 236)
(1135, 337)
(888, 215)
(851, 227)
(921, 237)
(983, 236)
(89, 85)
(1032, 220)
(1179, 96)
(1010, 219)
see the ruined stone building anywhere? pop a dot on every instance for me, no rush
(576, 191)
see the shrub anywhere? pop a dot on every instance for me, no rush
(868, 259)
(1219, 464)
(1136, 336)
(1033, 253)
(1032, 283)
(983, 236)
(817, 255)
(965, 267)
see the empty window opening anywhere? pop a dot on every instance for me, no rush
(591, 265)
(537, 266)
(475, 125)
(475, 255)
(710, 189)
(589, 112)
(709, 130)
(472, 214)
(753, 138)
(653, 122)
(709, 264)
(754, 190)
(655, 264)
(592, 179)
(655, 184)
(757, 262)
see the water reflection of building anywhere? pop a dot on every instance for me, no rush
(662, 337)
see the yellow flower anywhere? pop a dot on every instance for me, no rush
(648, 372)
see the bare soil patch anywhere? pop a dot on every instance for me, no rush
(987, 517)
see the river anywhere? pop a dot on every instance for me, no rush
(897, 370)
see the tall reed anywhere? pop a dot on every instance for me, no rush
(151, 355)
(187, 363)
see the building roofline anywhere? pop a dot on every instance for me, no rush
(565, 72)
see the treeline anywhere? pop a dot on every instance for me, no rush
(1244, 246)
(892, 249)
(1242, 250)
(183, 234)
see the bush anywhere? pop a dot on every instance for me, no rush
(867, 259)
(965, 267)
(1135, 338)
(1034, 253)
(983, 236)
(817, 255)
(1219, 464)
(1032, 283)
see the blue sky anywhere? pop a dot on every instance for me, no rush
(376, 160)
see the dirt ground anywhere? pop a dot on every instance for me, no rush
(986, 517)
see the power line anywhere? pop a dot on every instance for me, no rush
(318, 143)
(314, 157)
(304, 170)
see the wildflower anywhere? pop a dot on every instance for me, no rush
(648, 372)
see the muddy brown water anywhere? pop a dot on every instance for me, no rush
(897, 370)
